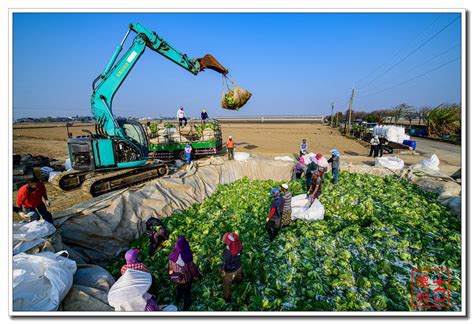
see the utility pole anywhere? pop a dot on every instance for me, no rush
(350, 112)
(332, 109)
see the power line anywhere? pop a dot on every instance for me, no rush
(416, 77)
(412, 69)
(401, 50)
(413, 51)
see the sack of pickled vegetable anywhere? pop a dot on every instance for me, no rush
(235, 99)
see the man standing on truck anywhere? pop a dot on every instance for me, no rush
(187, 150)
(204, 116)
(181, 117)
(30, 200)
(230, 148)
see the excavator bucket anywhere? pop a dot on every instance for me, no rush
(210, 62)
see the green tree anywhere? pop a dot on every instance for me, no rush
(444, 120)
(400, 111)
(422, 112)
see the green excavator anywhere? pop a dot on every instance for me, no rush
(116, 156)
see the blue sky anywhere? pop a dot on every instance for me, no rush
(292, 63)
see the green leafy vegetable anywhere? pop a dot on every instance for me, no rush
(359, 258)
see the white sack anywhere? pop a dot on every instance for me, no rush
(241, 156)
(26, 236)
(432, 163)
(53, 174)
(301, 209)
(393, 163)
(284, 158)
(130, 291)
(41, 281)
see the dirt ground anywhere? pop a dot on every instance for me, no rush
(261, 139)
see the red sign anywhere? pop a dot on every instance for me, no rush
(430, 288)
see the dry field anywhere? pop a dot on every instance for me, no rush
(261, 139)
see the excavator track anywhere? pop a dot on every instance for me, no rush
(102, 183)
(71, 179)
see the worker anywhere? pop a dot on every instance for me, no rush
(334, 160)
(134, 263)
(231, 264)
(315, 189)
(374, 144)
(323, 165)
(156, 232)
(300, 168)
(188, 149)
(274, 217)
(181, 117)
(30, 199)
(182, 271)
(230, 148)
(311, 167)
(303, 148)
(148, 129)
(380, 147)
(204, 116)
(286, 195)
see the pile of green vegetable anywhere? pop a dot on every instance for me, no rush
(359, 258)
(209, 125)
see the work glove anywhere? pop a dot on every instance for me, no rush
(47, 203)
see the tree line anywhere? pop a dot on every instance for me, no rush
(444, 119)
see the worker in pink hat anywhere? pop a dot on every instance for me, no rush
(231, 264)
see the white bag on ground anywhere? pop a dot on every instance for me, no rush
(432, 163)
(53, 174)
(130, 291)
(41, 281)
(284, 158)
(241, 156)
(26, 236)
(301, 209)
(393, 163)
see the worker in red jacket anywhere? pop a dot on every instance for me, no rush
(30, 200)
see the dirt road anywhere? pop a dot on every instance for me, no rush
(447, 153)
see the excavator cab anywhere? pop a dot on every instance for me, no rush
(97, 151)
(136, 133)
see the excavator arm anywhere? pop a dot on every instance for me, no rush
(120, 147)
(108, 83)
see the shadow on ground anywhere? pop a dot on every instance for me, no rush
(352, 153)
(250, 147)
(371, 163)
